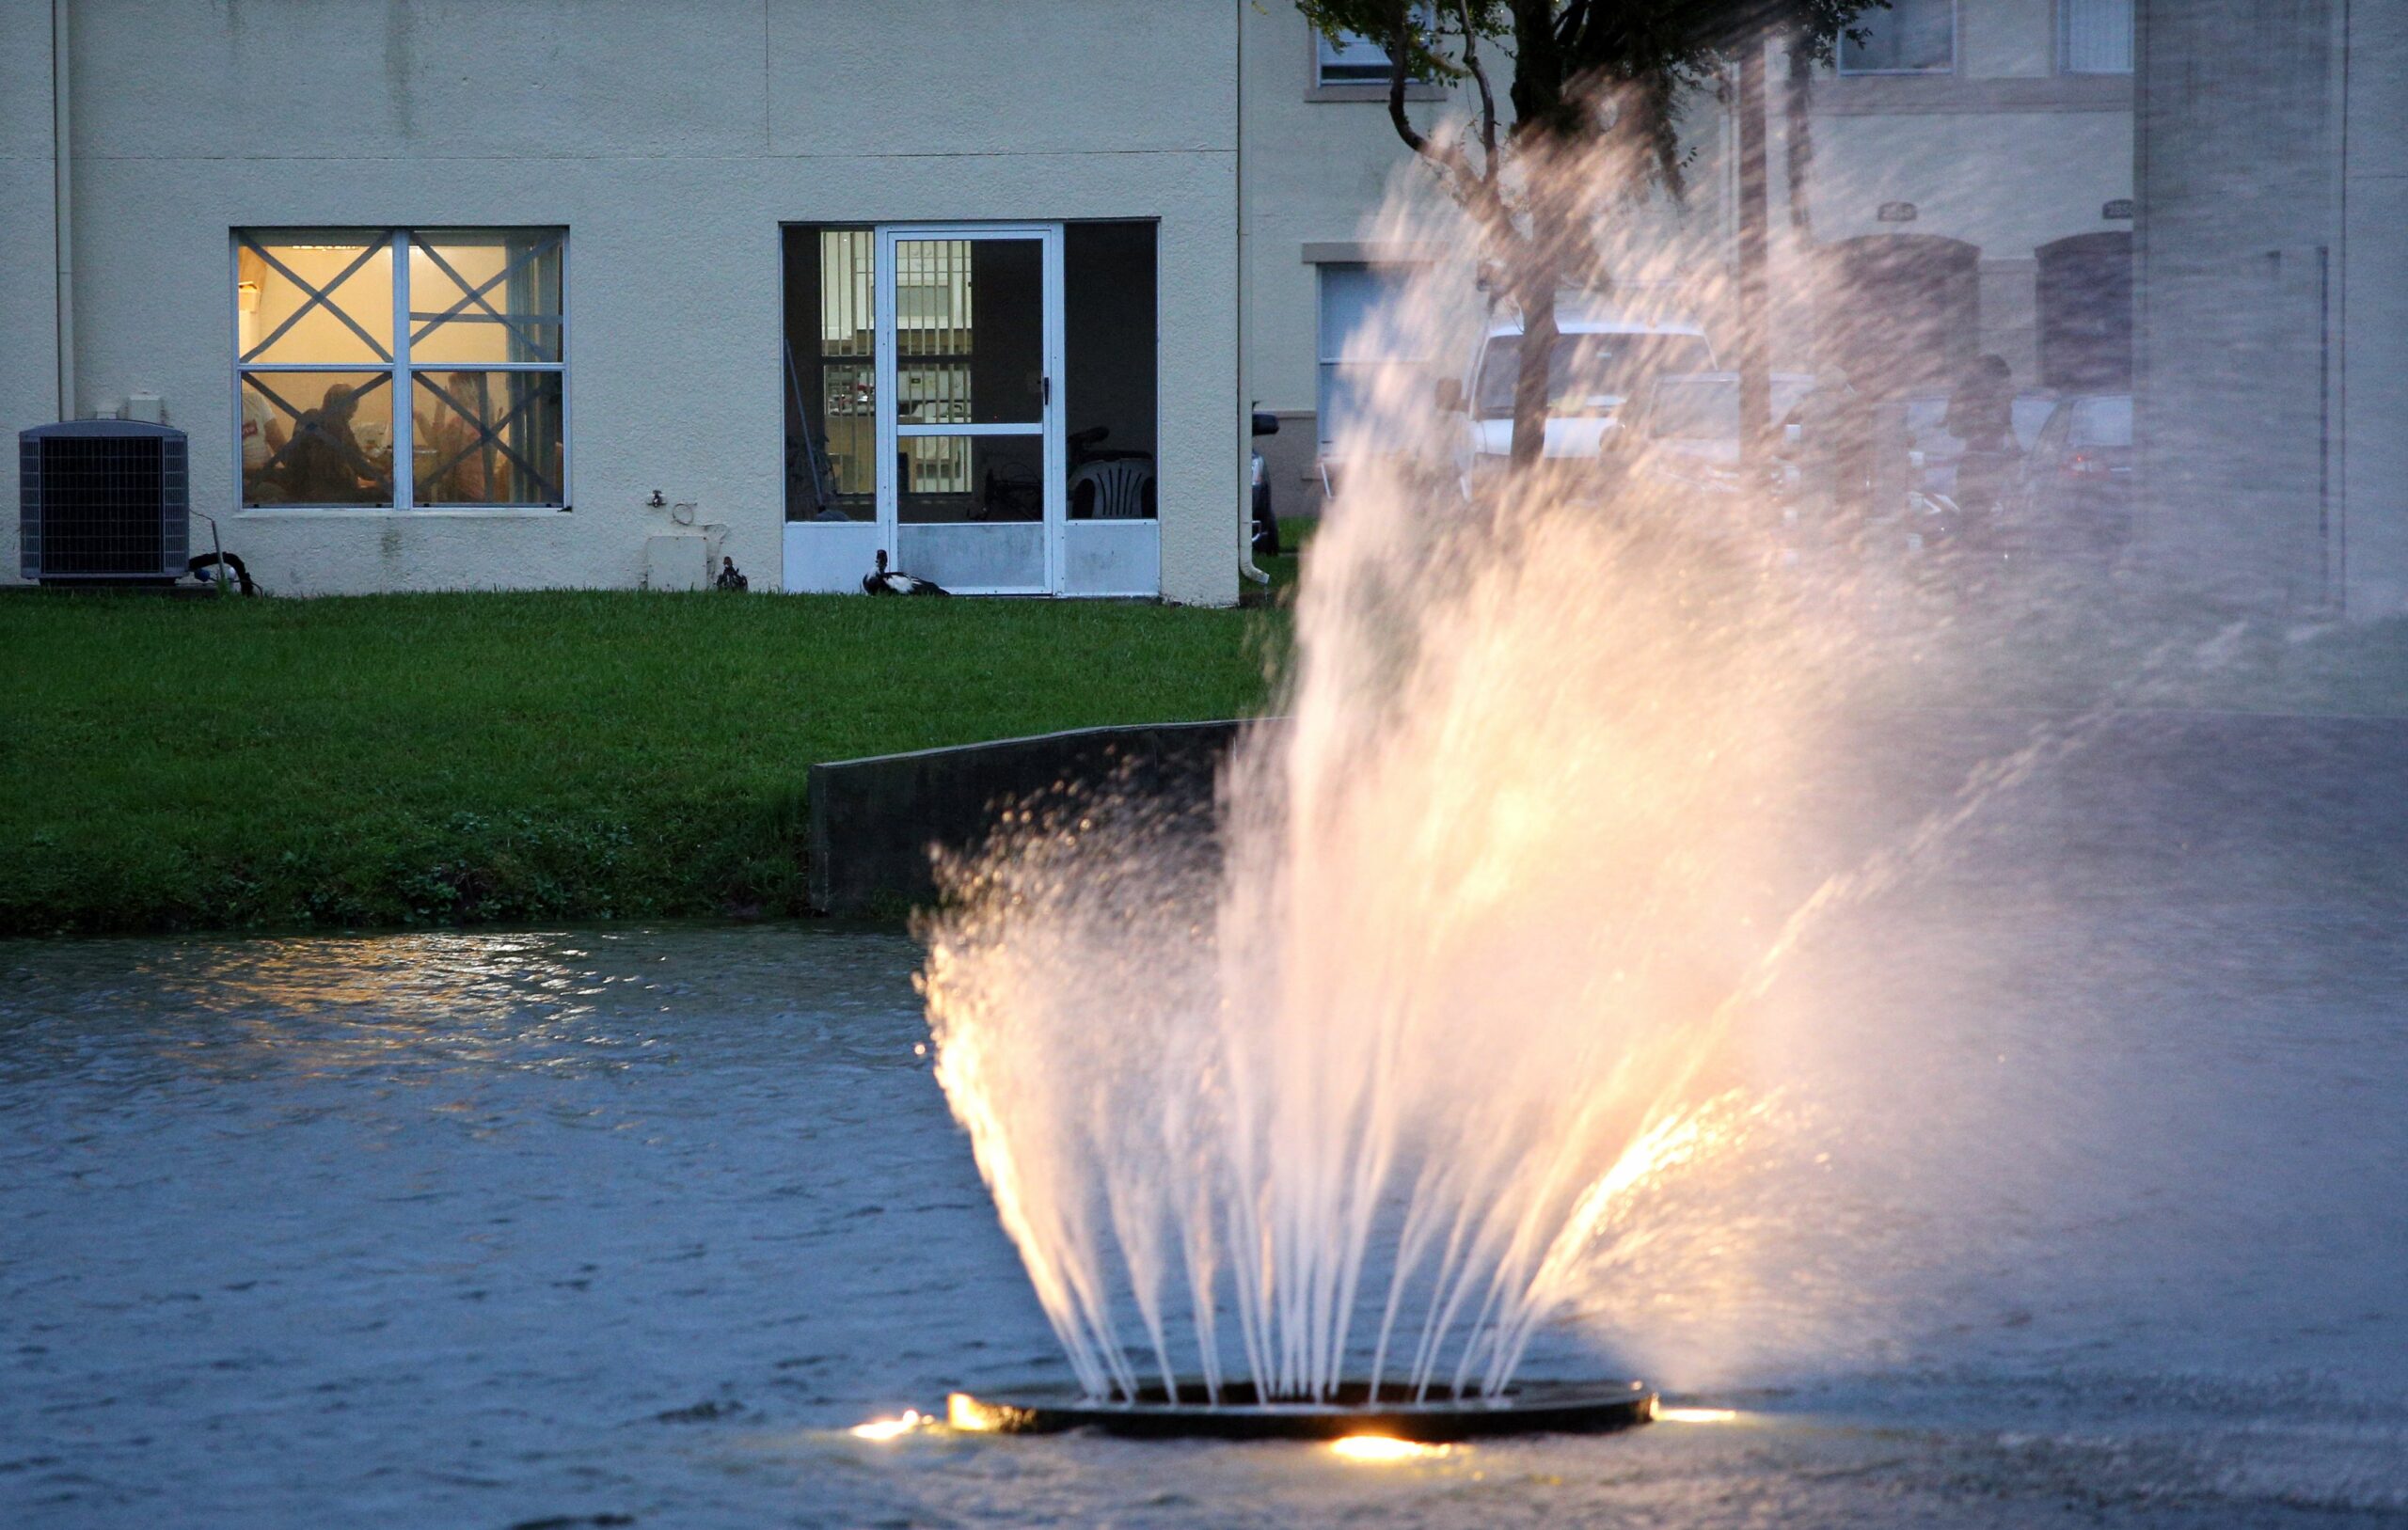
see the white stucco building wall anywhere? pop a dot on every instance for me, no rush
(28, 296)
(2374, 275)
(2273, 303)
(2006, 154)
(671, 138)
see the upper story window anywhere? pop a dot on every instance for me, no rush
(1911, 36)
(444, 351)
(2095, 37)
(1352, 58)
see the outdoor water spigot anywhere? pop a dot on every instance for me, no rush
(657, 501)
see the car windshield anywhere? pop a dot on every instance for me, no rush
(2102, 423)
(2032, 411)
(1588, 374)
(1707, 408)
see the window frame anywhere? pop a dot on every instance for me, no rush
(2065, 10)
(1956, 55)
(401, 372)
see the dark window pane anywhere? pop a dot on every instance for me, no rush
(831, 375)
(1109, 398)
(952, 478)
(969, 331)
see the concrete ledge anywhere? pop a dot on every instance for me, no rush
(1362, 252)
(875, 821)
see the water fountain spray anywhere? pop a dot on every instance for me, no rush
(1320, 1098)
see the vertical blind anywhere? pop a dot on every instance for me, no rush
(2096, 35)
(1361, 344)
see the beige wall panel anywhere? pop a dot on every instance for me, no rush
(965, 76)
(2007, 181)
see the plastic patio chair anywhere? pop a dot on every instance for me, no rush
(1119, 488)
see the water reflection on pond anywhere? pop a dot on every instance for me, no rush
(450, 1223)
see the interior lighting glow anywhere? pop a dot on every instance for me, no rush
(1379, 1447)
(890, 1428)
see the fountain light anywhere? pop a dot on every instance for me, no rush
(1382, 1448)
(891, 1428)
(1395, 1425)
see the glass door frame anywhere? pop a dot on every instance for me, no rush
(892, 431)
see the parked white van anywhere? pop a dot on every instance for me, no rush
(1601, 359)
(1685, 426)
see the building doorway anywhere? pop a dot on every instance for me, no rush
(977, 402)
(2086, 312)
(1901, 312)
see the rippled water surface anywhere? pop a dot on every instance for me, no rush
(628, 1227)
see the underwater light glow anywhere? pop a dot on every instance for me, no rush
(1695, 1415)
(891, 1428)
(1379, 1447)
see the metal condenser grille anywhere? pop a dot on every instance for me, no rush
(104, 504)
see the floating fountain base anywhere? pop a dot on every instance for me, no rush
(1530, 1408)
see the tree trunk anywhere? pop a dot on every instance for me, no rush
(1535, 292)
(1797, 133)
(1755, 296)
(1541, 119)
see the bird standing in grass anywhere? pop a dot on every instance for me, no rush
(880, 582)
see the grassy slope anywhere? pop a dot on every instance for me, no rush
(432, 758)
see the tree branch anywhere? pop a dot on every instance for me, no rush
(1487, 100)
(1399, 70)
(1476, 190)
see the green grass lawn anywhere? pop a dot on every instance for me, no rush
(426, 758)
(386, 760)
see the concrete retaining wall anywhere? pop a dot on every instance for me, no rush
(875, 821)
(2178, 806)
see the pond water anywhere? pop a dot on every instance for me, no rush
(628, 1226)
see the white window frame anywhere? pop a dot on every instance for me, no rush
(399, 368)
(1956, 54)
(2065, 44)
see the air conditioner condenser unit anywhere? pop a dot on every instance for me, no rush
(104, 501)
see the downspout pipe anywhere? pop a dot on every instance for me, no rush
(1246, 567)
(62, 190)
